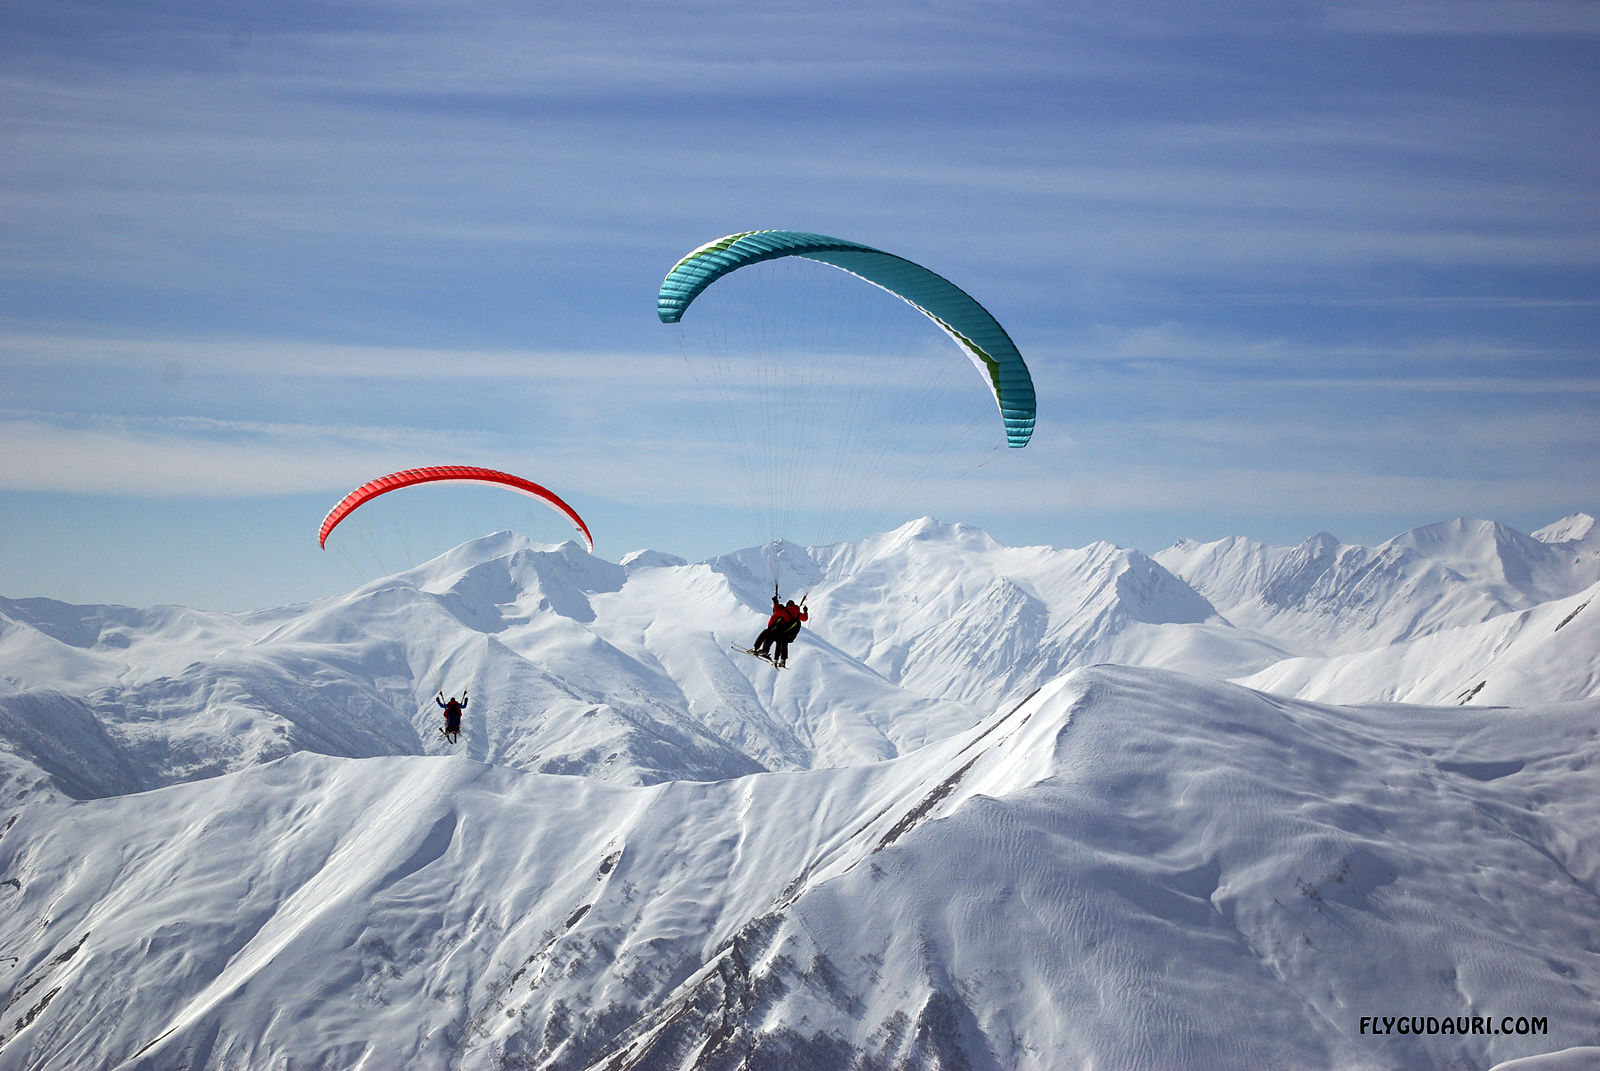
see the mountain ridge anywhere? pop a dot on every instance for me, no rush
(624, 670)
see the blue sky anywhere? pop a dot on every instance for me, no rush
(1277, 268)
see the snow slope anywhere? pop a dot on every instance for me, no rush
(1548, 654)
(1134, 869)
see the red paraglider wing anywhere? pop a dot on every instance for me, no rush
(470, 473)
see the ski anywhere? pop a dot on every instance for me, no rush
(754, 654)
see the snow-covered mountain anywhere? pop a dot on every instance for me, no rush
(1576, 538)
(625, 672)
(948, 836)
(1327, 597)
(1134, 869)
(1459, 612)
(577, 665)
(1548, 654)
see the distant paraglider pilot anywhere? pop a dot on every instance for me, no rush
(452, 715)
(782, 627)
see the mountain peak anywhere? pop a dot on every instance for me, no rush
(495, 546)
(1464, 538)
(1321, 545)
(925, 528)
(1578, 527)
(930, 530)
(650, 559)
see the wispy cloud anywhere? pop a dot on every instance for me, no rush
(1281, 493)
(1501, 18)
(1408, 358)
(681, 370)
(196, 457)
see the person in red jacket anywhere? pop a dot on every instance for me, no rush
(791, 629)
(764, 641)
(782, 627)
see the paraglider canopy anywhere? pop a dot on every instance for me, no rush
(431, 474)
(957, 313)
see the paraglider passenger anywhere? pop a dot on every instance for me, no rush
(764, 641)
(791, 628)
(452, 715)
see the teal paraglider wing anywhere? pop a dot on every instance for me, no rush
(957, 313)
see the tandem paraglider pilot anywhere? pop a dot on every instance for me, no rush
(452, 715)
